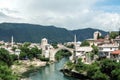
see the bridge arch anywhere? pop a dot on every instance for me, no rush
(69, 50)
(54, 51)
(62, 52)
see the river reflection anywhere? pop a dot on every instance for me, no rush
(51, 72)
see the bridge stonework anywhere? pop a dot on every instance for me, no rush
(54, 51)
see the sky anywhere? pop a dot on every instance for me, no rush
(69, 14)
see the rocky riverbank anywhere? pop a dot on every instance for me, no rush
(24, 67)
(74, 74)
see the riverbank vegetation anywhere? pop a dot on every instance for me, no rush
(26, 66)
(105, 69)
(6, 60)
(31, 53)
(12, 66)
(27, 53)
(62, 53)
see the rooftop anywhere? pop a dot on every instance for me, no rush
(116, 52)
(109, 45)
(87, 49)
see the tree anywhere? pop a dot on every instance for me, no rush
(85, 43)
(14, 48)
(35, 52)
(116, 74)
(100, 37)
(100, 76)
(95, 49)
(92, 69)
(70, 46)
(80, 66)
(26, 44)
(23, 55)
(62, 53)
(70, 65)
(42, 58)
(107, 65)
(55, 45)
(25, 52)
(14, 57)
(5, 57)
(113, 35)
(29, 53)
(6, 73)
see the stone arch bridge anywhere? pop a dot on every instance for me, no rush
(54, 51)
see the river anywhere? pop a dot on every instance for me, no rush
(51, 72)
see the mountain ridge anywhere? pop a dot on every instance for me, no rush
(25, 32)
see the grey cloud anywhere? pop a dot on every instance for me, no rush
(8, 10)
(6, 18)
(2, 15)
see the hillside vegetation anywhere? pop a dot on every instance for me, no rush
(24, 32)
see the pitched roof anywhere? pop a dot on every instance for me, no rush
(109, 45)
(116, 52)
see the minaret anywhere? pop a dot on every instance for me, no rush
(75, 49)
(75, 42)
(12, 41)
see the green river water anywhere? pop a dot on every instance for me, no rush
(51, 72)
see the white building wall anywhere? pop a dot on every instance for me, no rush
(105, 50)
(47, 53)
(108, 49)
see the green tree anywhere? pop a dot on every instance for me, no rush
(6, 73)
(116, 74)
(100, 37)
(80, 66)
(35, 52)
(25, 52)
(107, 65)
(42, 58)
(14, 57)
(14, 48)
(62, 53)
(70, 65)
(95, 49)
(29, 53)
(22, 55)
(70, 46)
(55, 45)
(113, 35)
(27, 44)
(100, 76)
(92, 69)
(85, 43)
(5, 57)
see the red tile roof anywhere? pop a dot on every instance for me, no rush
(116, 52)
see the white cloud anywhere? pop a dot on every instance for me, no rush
(8, 15)
(71, 14)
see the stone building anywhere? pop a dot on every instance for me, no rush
(96, 35)
(106, 49)
(46, 48)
